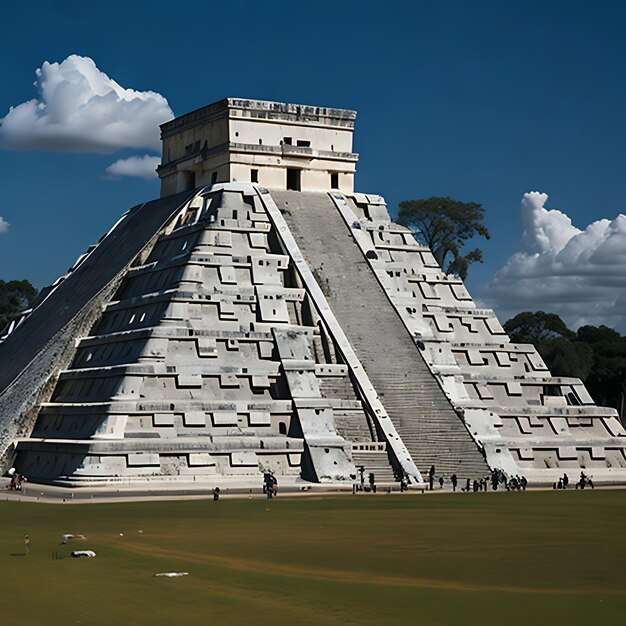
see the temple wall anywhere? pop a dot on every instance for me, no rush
(527, 421)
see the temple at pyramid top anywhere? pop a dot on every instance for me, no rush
(277, 145)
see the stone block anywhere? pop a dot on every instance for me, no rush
(197, 459)
(194, 418)
(143, 459)
(224, 418)
(163, 419)
(244, 458)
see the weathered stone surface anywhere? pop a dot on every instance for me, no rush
(526, 421)
(32, 356)
(234, 330)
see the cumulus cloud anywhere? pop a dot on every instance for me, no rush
(4, 225)
(579, 274)
(80, 109)
(140, 166)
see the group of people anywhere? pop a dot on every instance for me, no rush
(584, 481)
(270, 485)
(512, 483)
(562, 482)
(360, 486)
(475, 485)
(497, 478)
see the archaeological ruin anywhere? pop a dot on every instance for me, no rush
(263, 316)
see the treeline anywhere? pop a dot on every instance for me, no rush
(15, 296)
(595, 354)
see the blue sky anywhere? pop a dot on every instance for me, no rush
(481, 101)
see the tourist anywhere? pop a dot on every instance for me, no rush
(440, 482)
(584, 481)
(372, 481)
(565, 481)
(523, 482)
(494, 479)
(453, 480)
(467, 486)
(431, 476)
(216, 494)
(268, 485)
(26, 545)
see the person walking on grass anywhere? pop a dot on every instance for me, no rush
(26, 545)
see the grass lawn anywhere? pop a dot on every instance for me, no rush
(505, 559)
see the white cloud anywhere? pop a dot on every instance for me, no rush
(81, 109)
(4, 225)
(140, 166)
(544, 230)
(579, 274)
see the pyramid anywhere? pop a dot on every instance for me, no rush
(262, 316)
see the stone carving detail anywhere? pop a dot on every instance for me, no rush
(527, 421)
(209, 360)
(292, 327)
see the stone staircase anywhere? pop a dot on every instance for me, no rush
(337, 387)
(422, 415)
(352, 425)
(375, 461)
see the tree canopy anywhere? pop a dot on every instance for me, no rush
(529, 327)
(595, 354)
(445, 225)
(565, 357)
(607, 380)
(15, 296)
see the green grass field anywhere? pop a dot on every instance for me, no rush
(510, 558)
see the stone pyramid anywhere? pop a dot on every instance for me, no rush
(278, 321)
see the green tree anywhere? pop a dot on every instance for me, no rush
(595, 354)
(607, 380)
(535, 328)
(567, 358)
(445, 225)
(603, 337)
(15, 296)
(554, 342)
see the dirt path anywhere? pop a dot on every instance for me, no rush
(353, 577)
